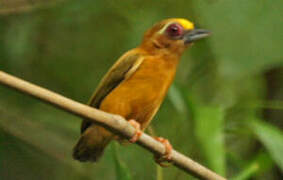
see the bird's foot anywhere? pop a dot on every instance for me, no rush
(138, 133)
(167, 156)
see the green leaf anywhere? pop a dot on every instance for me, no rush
(261, 163)
(272, 138)
(122, 171)
(209, 132)
(176, 98)
(159, 173)
(247, 172)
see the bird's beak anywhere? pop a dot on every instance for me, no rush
(195, 35)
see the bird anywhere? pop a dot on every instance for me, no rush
(136, 85)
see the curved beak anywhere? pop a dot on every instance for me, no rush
(195, 35)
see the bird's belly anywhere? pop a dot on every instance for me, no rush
(140, 96)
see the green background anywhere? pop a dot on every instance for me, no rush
(224, 110)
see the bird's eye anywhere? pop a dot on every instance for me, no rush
(174, 30)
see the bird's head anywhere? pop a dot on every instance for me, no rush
(172, 36)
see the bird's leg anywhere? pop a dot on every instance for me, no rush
(138, 133)
(167, 156)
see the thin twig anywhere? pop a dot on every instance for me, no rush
(110, 121)
(26, 7)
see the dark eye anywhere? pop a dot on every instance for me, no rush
(174, 30)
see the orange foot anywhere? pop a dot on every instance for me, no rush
(168, 152)
(138, 133)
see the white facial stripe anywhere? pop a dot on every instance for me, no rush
(161, 31)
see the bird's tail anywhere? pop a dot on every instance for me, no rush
(92, 143)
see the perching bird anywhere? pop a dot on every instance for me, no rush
(137, 83)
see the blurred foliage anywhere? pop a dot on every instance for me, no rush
(272, 139)
(224, 110)
(122, 171)
(209, 132)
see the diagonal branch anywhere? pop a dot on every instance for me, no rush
(21, 6)
(110, 121)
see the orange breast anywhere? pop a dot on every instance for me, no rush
(140, 96)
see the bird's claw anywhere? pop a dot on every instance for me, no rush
(167, 156)
(138, 133)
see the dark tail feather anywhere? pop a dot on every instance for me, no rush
(91, 144)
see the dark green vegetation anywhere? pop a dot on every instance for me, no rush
(225, 109)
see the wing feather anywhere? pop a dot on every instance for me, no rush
(121, 70)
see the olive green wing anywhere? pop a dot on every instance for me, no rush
(121, 70)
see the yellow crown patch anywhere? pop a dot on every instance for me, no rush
(185, 23)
